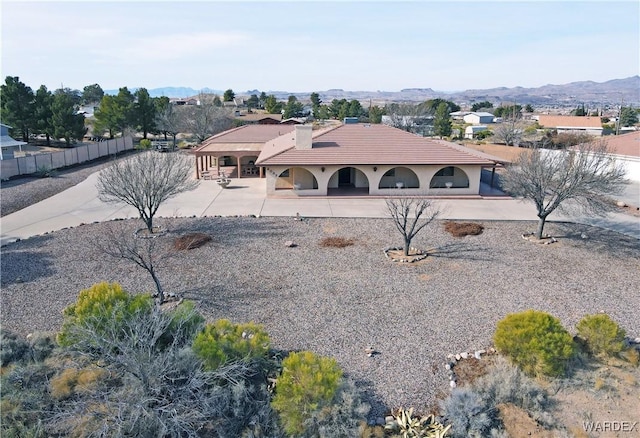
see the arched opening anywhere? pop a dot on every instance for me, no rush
(399, 178)
(449, 177)
(248, 166)
(348, 181)
(296, 178)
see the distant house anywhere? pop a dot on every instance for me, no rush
(259, 118)
(366, 159)
(7, 144)
(471, 131)
(478, 118)
(572, 124)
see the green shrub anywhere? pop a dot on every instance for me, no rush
(102, 307)
(536, 342)
(224, 341)
(12, 347)
(307, 384)
(145, 143)
(601, 334)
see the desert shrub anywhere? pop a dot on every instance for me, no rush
(191, 241)
(461, 229)
(76, 380)
(12, 348)
(100, 309)
(145, 143)
(223, 341)
(41, 345)
(308, 383)
(184, 323)
(602, 335)
(336, 242)
(345, 417)
(632, 356)
(536, 342)
(505, 383)
(469, 413)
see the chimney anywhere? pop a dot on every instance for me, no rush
(303, 136)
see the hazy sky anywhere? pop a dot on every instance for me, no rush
(314, 46)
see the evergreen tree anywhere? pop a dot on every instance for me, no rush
(229, 95)
(293, 108)
(66, 123)
(442, 121)
(315, 104)
(272, 105)
(144, 112)
(628, 116)
(92, 94)
(253, 102)
(375, 114)
(17, 106)
(43, 113)
(115, 113)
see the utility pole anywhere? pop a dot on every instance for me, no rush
(619, 114)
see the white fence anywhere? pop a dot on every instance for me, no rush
(67, 157)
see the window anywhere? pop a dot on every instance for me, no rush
(445, 171)
(285, 174)
(390, 172)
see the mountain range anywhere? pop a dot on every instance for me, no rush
(614, 92)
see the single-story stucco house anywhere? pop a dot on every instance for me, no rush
(369, 159)
(572, 124)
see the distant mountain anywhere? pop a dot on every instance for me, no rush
(171, 91)
(611, 92)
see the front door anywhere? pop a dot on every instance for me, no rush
(344, 177)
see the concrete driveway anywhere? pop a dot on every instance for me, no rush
(80, 205)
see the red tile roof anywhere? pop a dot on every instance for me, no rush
(548, 121)
(369, 144)
(243, 138)
(625, 144)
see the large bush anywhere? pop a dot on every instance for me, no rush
(100, 309)
(536, 342)
(307, 384)
(224, 341)
(602, 335)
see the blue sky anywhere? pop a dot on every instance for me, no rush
(314, 46)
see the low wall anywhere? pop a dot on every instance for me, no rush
(68, 157)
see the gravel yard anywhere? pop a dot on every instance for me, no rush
(337, 301)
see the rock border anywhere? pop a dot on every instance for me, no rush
(420, 254)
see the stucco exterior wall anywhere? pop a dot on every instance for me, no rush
(365, 175)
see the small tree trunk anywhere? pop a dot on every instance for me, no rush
(48, 140)
(541, 221)
(407, 246)
(165, 135)
(159, 289)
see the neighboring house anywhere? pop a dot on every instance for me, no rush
(369, 159)
(626, 148)
(236, 151)
(259, 118)
(459, 115)
(572, 124)
(478, 118)
(471, 131)
(7, 144)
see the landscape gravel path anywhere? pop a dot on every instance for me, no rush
(336, 302)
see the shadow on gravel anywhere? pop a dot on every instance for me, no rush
(598, 239)
(233, 230)
(23, 265)
(378, 407)
(463, 251)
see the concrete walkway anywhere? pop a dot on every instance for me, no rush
(80, 205)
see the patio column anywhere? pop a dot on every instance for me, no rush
(197, 170)
(239, 166)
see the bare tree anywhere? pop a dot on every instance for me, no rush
(148, 253)
(410, 216)
(409, 117)
(145, 181)
(207, 119)
(170, 121)
(585, 176)
(510, 131)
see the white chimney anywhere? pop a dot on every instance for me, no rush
(303, 136)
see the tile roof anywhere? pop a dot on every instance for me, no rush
(569, 122)
(624, 144)
(247, 137)
(255, 117)
(369, 144)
